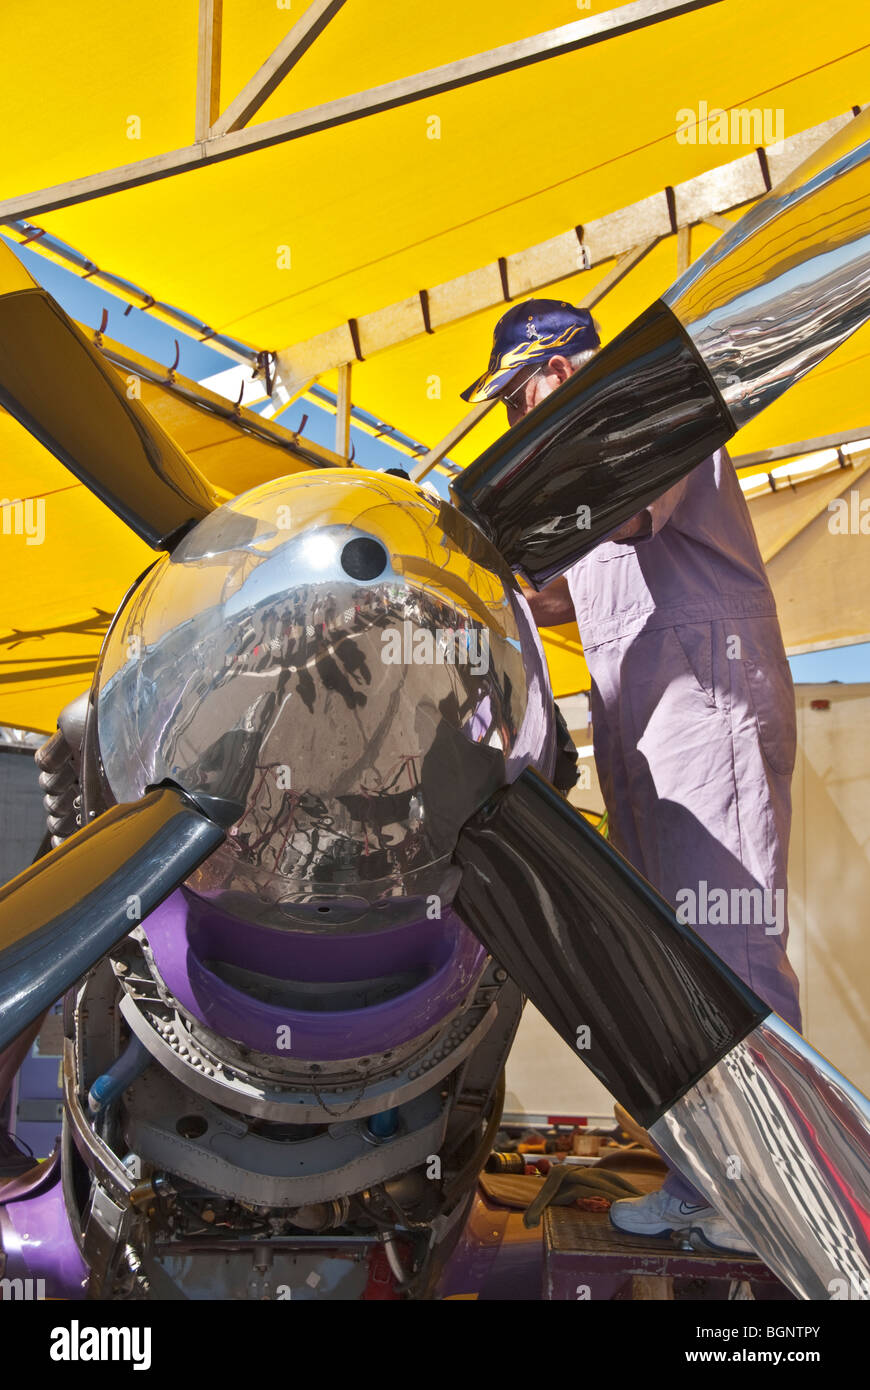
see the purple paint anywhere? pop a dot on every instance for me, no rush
(186, 932)
(496, 1258)
(37, 1238)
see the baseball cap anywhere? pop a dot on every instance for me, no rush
(532, 331)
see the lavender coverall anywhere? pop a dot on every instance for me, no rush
(694, 725)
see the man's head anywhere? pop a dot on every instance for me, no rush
(536, 346)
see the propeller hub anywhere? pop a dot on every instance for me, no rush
(350, 660)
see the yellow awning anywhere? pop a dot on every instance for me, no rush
(66, 560)
(283, 243)
(374, 210)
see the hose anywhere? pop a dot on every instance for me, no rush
(121, 1074)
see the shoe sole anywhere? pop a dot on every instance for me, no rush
(687, 1231)
(720, 1249)
(665, 1230)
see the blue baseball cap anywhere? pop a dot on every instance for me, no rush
(533, 331)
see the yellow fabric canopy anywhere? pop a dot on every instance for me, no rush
(66, 560)
(276, 246)
(374, 210)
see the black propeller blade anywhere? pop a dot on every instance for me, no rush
(641, 998)
(616, 435)
(58, 917)
(760, 1122)
(765, 304)
(61, 389)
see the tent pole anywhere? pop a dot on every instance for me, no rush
(342, 413)
(208, 68)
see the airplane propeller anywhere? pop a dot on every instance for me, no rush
(672, 1032)
(62, 914)
(57, 384)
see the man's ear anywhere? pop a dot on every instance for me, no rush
(560, 367)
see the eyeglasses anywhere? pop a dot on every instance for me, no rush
(514, 400)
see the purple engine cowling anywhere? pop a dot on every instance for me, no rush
(400, 982)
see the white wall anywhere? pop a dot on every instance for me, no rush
(829, 874)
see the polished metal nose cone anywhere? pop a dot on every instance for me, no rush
(345, 656)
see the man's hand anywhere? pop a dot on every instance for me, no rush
(552, 605)
(640, 525)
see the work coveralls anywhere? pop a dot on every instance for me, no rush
(693, 722)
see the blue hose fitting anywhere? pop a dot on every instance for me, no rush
(121, 1074)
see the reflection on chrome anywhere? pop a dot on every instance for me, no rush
(348, 658)
(779, 1141)
(774, 296)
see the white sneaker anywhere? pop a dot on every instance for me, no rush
(658, 1214)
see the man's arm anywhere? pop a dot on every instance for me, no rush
(639, 527)
(650, 521)
(552, 605)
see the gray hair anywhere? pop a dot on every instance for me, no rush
(578, 359)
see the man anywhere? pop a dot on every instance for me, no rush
(692, 702)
